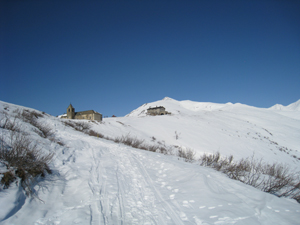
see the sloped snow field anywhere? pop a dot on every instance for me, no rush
(96, 181)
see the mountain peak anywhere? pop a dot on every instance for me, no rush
(293, 106)
(167, 99)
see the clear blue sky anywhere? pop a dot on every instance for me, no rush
(113, 56)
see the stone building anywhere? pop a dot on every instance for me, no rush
(83, 115)
(158, 110)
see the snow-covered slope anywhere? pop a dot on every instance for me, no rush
(231, 129)
(96, 181)
(292, 107)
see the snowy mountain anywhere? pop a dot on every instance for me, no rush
(98, 181)
(292, 107)
(231, 129)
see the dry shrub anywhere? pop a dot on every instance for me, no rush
(44, 130)
(69, 124)
(130, 141)
(95, 134)
(117, 139)
(9, 124)
(29, 116)
(79, 126)
(273, 178)
(152, 148)
(25, 159)
(188, 155)
(7, 179)
(163, 150)
(137, 143)
(32, 117)
(82, 126)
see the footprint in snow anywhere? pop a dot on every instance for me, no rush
(172, 196)
(199, 222)
(211, 207)
(186, 204)
(213, 217)
(183, 216)
(163, 184)
(202, 207)
(169, 188)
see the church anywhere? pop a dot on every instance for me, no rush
(83, 115)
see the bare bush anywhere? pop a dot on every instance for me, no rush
(152, 148)
(188, 155)
(8, 178)
(44, 130)
(271, 178)
(163, 150)
(82, 126)
(278, 177)
(9, 124)
(32, 117)
(209, 160)
(177, 135)
(24, 160)
(130, 141)
(95, 134)
(136, 143)
(69, 124)
(117, 139)
(29, 116)
(79, 126)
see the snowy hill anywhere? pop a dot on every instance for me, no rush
(97, 181)
(231, 129)
(292, 107)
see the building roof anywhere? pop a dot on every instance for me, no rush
(70, 106)
(86, 112)
(157, 107)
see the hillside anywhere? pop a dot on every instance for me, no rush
(97, 181)
(231, 129)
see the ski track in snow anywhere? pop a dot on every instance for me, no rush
(132, 194)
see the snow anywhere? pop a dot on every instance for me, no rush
(231, 129)
(96, 181)
(292, 107)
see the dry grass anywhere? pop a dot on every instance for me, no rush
(24, 160)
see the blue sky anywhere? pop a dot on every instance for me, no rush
(113, 56)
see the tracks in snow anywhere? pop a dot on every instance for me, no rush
(123, 192)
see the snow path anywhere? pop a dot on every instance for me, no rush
(123, 191)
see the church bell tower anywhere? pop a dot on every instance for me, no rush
(70, 112)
